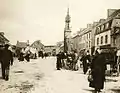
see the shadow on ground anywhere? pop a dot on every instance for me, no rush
(115, 90)
(111, 80)
(90, 90)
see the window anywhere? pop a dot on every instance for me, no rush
(102, 27)
(86, 44)
(89, 44)
(106, 39)
(101, 39)
(89, 35)
(97, 41)
(97, 30)
(107, 25)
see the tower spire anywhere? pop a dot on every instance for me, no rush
(67, 32)
(68, 11)
(67, 19)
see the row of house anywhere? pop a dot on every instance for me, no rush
(104, 33)
(36, 46)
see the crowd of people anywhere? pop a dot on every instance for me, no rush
(28, 54)
(95, 65)
(7, 55)
(67, 60)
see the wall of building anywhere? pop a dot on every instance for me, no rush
(108, 33)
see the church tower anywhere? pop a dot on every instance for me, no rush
(67, 23)
(67, 32)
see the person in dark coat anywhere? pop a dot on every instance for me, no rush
(58, 64)
(98, 67)
(21, 58)
(27, 56)
(85, 60)
(6, 61)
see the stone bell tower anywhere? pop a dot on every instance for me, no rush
(67, 33)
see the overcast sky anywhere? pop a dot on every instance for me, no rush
(44, 19)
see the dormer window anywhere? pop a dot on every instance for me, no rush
(102, 27)
(97, 30)
(107, 25)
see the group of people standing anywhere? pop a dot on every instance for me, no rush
(67, 60)
(96, 63)
(24, 55)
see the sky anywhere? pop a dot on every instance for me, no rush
(44, 20)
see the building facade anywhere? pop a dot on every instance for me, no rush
(51, 49)
(37, 45)
(84, 39)
(103, 34)
(107, 32)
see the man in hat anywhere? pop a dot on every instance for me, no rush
(6, 61)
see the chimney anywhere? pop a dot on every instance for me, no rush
(89, 25)
(2, 33)
(27, 42)
(101, 20)
(95, 23)
(110, 12)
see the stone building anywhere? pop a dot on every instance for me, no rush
(82, 41)
(107, 32)
(115, 29)
(51, 49)
(75, 42)
(37, 45)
